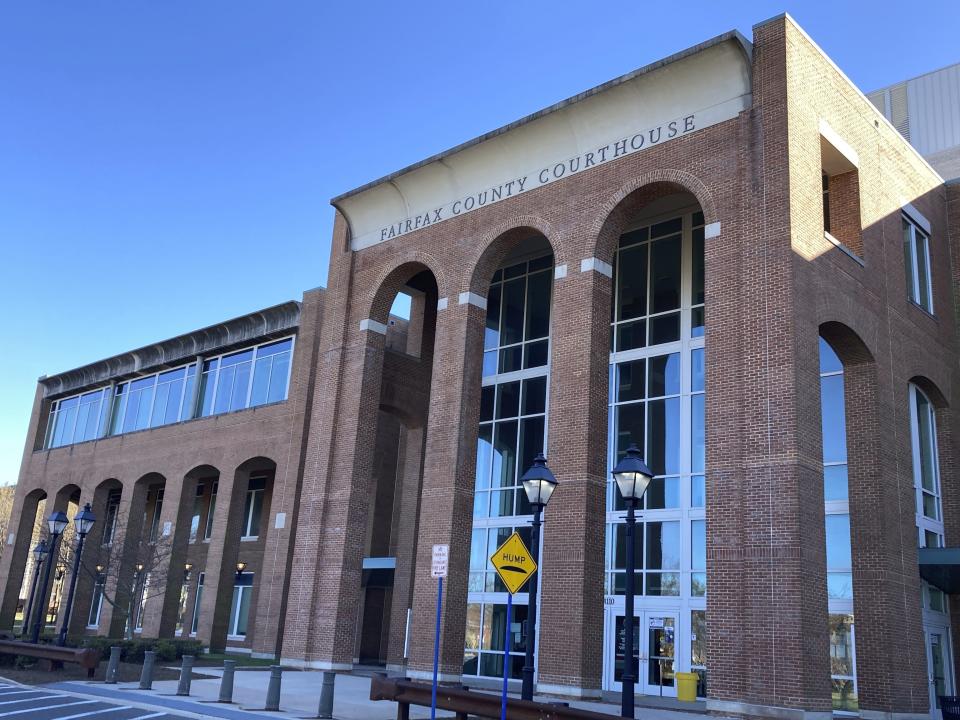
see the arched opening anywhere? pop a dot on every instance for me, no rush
(234, 581)
(66, 500)
(654, 240)
(188, 553)
(92, 610)
(392, 517)
(515, 274)
(29, 531)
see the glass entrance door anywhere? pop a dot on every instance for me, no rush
(654, 652)
(938, 664)
(660, 653)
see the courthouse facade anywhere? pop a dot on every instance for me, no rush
(729, 257)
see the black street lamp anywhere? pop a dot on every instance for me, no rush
(56, 524)
(539, 483)
(39, 554)
(632, 477)
(83, 521)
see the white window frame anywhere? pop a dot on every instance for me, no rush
(99, 586)
(197, 599)
(684, 603)
(919, 229)
(245, 535)
(924, 523)
(235, 615)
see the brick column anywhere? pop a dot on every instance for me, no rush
(570, 650)
(406, 513)
(446, 498)
(128, 534)
(891, 666)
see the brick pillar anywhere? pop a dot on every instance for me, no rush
(570, 650)
(447, 492)
(891, 664)
(405, 517)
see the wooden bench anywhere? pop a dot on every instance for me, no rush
(84, 657)
(470, 703)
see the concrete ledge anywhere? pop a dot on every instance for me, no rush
(315, 664)
(572, 691)
(427, 675)
(765, 711)
(884, 715)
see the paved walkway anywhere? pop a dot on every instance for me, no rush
(21, 702)
(299, 698)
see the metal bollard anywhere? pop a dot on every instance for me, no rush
(113, 666)
(226, 682)
(273, 689)
(183, 687)
(146, 674)
(326, 695)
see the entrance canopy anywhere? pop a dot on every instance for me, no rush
(941, 567)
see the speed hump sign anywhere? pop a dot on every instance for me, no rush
(513, 563)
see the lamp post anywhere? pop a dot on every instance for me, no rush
(538, 483)
(241, 566)
(39, 554)
(632, 477)
(56, 524)
(83, 521)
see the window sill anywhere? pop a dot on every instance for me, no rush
(238, 638)
(249, 538)
(844, 249)
(921, 308)
(93, 627)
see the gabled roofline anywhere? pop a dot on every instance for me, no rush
(732, 35)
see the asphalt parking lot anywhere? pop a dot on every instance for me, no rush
(22, 703)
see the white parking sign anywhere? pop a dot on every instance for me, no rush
(441, 554)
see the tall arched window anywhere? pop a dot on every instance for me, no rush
(926, 468)
(513, 425)
(836, 506)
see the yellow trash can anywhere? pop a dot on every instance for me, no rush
(687, 686)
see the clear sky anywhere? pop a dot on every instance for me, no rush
(166, 165)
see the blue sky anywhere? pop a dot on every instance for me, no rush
(165, 165)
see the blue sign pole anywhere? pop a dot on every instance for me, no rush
(436, 651)
(506, 659)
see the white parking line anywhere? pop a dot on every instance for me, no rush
(114, 708)
(144, 717)
(41, 697)
(49, 707)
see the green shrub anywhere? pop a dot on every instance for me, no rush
(131, 651)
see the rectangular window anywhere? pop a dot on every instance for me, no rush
(142, 602)
(916, 260)
(486, 633)
(96, 602)
(253, 508)
(155, 515)
(211, 509)
(110, 519)
(698, 649)
(195, 623)
(240, 607)
(843, 675)
(77, 419)
(197, 512)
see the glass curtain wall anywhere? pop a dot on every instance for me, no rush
(843, 669)
(248, 378)
(513, 422)
(657, 401)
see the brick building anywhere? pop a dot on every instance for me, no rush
(729, 257)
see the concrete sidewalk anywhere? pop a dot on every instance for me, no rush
(299, 698)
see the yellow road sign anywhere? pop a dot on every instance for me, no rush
(513, 563)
